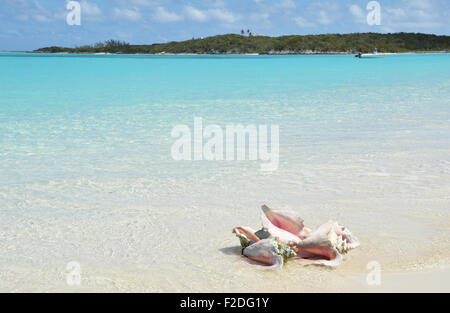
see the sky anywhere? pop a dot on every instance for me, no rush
(32, 24)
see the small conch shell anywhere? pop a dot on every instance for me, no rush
(269, 252)
(246, 235)
(264, 252)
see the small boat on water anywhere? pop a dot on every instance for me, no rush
(374, 54)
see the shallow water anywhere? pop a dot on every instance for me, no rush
(86, 173)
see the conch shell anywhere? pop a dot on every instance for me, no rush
(285, 237)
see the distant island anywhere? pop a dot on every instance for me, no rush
(257, 44)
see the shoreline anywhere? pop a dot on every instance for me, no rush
(227, 54)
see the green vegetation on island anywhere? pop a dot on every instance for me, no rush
(246, 43)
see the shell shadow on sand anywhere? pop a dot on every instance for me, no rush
(234, 250)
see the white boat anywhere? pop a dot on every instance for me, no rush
(371, 55)
(374, 54)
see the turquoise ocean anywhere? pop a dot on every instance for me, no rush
(86, 173)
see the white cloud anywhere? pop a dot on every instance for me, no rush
(413, 15)
(216, 3)
(287, 4)
(31, 10)
(215, 14)
(276, 6)
(324, 13)
(222, 15)
(22, 17)
(90, 8)
(422, 15)
(419, 4)
(262, 19)
(162, 15)
(89, 11)
(357, 13)
(127, 14)
(302, 22)
(401, 15)
(41, 18)
(396, 13)
(195, 14)
(136, 3)
(323, 17)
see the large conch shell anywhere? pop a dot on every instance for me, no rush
(285, 237)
